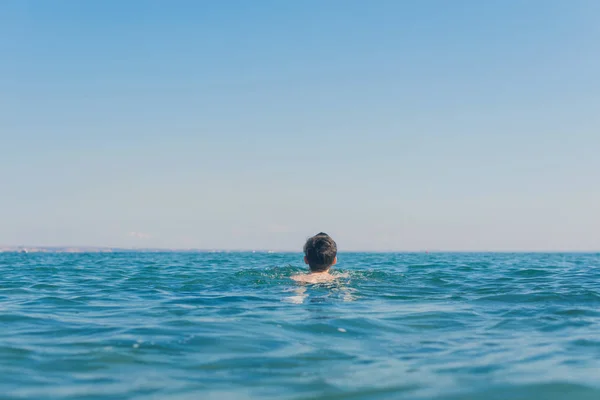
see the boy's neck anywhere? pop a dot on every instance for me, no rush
(319, 272)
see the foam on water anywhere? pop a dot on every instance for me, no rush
(234, 325)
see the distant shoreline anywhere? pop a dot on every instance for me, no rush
(74, 249)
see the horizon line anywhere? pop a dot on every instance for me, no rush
(93, 249)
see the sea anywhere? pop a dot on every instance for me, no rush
(451, 326)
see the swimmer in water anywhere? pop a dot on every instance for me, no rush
(320, 253)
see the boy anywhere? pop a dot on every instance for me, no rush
(320, 253)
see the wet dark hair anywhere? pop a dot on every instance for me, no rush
(320, 251)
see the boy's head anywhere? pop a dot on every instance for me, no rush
(320, 252)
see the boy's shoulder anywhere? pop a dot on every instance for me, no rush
(313, 278)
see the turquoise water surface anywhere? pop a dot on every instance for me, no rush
(234, 326)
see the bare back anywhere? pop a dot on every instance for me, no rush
(314, 278)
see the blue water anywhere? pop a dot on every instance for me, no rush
(234, 326)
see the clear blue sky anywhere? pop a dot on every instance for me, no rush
(391, 125)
